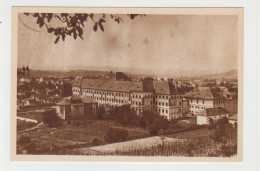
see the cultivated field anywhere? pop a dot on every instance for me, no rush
(76, 136)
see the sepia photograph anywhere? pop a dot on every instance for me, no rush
(127, 84)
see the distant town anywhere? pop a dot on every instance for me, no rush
(77, 97)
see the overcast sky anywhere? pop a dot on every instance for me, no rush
(155, 44)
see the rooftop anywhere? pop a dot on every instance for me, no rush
(234, 117)
(203, 93)
(213, 111)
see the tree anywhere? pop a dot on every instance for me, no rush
(73, 24)
(51, 118)
(100, 113)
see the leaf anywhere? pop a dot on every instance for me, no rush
(132, 16)
(102, 20)
(50, 30)
(75, 35)
(95, 27)
(81, 37)
(49, 17)
(63, 36)
(57, 39)
(36, 14)
(57, 31)
(80, 31)
(117, 20)
(101, 26)
(91, 16)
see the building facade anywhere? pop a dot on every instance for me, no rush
(202, 98)
(203, 118)
(158, 96)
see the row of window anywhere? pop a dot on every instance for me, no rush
(125, 94)
(198, 107)
(166, 104)
(191, 100)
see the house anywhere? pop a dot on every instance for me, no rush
(201, 98)
(216, 113)
(75, 108)
(233, 119)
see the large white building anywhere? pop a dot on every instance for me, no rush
(158, 96)
(202, 98)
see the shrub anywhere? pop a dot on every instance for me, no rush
(51, 118)
(26, 143)
(101, 113)
(229, 150)
(24, 140)
(95, 142)
(116, 135)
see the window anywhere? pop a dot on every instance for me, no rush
(197, 101)
(166, 104)
(166, 111)
(159, 103)
(163, 103)
(162, 111)
(203, 101)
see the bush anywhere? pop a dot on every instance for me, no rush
(101, 113)
(26, 144)
(116, 135)
(24, 140)
(51, 118)
(95, 142)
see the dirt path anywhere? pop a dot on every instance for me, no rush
(37, 126)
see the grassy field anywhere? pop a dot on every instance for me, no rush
(23, 125)
(71, 135)
(32, 115)
(192, 134)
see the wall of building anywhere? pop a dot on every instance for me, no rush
(169, 106)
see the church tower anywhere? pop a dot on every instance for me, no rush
(27, 71)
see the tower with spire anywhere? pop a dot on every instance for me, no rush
(27, 71)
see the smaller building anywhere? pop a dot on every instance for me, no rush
(233, 119)
(211, 113)
(75, 108)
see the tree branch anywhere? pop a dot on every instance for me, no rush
(26, 25)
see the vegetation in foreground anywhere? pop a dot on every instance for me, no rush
(122, 124)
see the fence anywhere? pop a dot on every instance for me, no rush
(27, 119)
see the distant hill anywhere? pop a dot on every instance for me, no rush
(227, 75)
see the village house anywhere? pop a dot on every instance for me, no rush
(216, 113)
(201, 98)
(75, 108)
